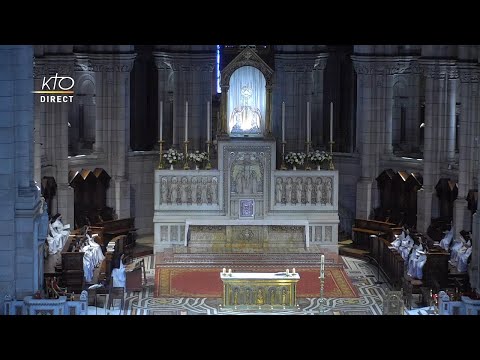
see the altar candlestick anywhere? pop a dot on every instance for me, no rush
(309, 125)
(224, 271)
(283, 121)
(160, 130)
(208, 121)
(186, 120)
(293, 271)
(322, 266)
(331, 121)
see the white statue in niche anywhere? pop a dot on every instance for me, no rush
(193, 189)
(288, 191)
(203, 191)
(299, 189)
(278, 191)
(184, 190)
(214, 189)
(328, 191)
(174, 190)
(164, 190)
(245, 119)
(240, 181)
(308, 191)
(318, 190)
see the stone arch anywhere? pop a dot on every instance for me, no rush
(84, 115)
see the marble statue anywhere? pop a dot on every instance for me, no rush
(253, 182)
(278, 191)
(193, 189)
(318, 190)
(288, 190)
(240, 182)
(299, 190)
(203, 191)
(184, 190)
(214, 189)
(164, 190)
(308, 191)
(328, 191)
(174, 190)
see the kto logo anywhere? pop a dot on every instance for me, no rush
(56, 85)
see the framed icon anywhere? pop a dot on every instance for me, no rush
(247, 208)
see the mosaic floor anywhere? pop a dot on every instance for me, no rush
(362, 274)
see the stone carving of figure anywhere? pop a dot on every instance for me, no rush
(284, 296)
(203, 191)
(288, 191)
(328, 191)
(174, 190)
(214, 189)
(253, 182)
(184, 190)
(164, 190)
(318, 190)
(240, 182)
(278, 191)
(299, 189)
(308, 191)
(193, 189)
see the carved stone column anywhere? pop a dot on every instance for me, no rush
(268, 112)
(113, 106)
(435, 147)
(56, 118)
(469, 99)
(223, 129)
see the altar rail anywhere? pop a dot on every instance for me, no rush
(263, 222)
(60, 306)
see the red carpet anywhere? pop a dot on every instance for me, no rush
(205, 282)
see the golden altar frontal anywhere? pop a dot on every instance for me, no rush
(260, 290)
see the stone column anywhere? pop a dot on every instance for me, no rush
(56, 142)
(451, 120)
(20, 250)
(317, 102)
(388, 114)
(113, 70)
(366, 93)
(223, 129)
(268, 111)
(469, 101)
(424, 202)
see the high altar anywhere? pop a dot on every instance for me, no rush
(245, 203)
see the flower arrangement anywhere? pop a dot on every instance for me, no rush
(198, 157)
(172, 156)
(295, 158)
(317, 156)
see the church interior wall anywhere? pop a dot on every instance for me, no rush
(187, 73)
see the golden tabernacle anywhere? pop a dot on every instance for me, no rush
(259, 290)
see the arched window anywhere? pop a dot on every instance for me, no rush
(246, 102)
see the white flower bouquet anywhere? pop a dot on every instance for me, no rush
(295, 158)
(198, 157)
(172, 156)
(317, 157)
